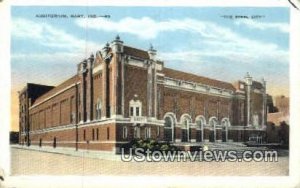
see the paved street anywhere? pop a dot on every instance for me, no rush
(29, 162)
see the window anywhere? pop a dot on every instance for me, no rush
(97, 136)
(185, 129)
(84, 136)
(125, 132)
(131, 111)
(72, 117)
(135, 108)
(158, 131)
(107, 133)
(255, 120)
(79, 99)
(185, 123)
(93, 134)
(168, 129)
(54, 142)
(168, 122)
(241, 86)
(148, 132)
(199, 124)
(136, 132)
(213, 122)
(98, 109)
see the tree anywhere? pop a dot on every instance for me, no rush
(284, 133)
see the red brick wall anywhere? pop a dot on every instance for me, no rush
(155, 134)
(181, 102)
(67, 138)
(199, 106)
(54, 112)
(98, 90)
(135, 83)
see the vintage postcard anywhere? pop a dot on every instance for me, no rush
(152, 91)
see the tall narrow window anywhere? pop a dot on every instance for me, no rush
(125, 132)
(137, 132)
(148, 132)
(84, 136)
(97, 136)
(131, 111)
(93, 134)
(54, 142)
(107, 133)
(98, 109)
(79, 99)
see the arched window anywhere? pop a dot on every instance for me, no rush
(169, 129)
(185, 121)
(213, 121)
(225, 122)
(185, 128)
(168, 122)
(200, 122)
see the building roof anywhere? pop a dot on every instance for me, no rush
(257, 85)
(171, 73)
(136, 52)
(56, 89)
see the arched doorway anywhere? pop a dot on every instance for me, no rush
(200, 122)
(169, 127)
(213, 121)
(185, 128)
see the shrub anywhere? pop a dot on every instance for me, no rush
(149, 144)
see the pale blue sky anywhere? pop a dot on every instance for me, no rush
(198, 40)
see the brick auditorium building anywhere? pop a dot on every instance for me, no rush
(122, 93)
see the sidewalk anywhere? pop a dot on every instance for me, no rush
(105, 155)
